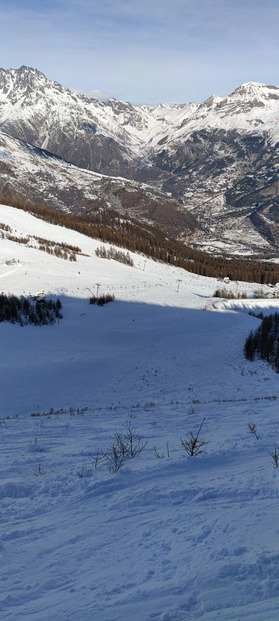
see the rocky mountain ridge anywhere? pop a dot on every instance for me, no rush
(37, 176)
(217, 161)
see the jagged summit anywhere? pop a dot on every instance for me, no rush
(22, 77)
(219, 159)
(40, 101)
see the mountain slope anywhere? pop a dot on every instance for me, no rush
(45, 114)
(204, 156)
(37, 176)
(168, 536)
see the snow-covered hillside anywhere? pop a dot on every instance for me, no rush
(27, 95)
(39, 177)
(168, 537)
(216, 163)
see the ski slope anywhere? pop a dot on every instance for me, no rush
(168, 537)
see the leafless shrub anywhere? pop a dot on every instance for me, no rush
(229, 295)
(96, 459)
(252, 428)
(275, 456)
(80, 473)
(5, 227)
(127, 444)
(115, 458)
(40, 471)
(191, 443)
(259, 293)
(103, 299)
(19, 240)
(158, 455)
(162, 455)
(132, 442)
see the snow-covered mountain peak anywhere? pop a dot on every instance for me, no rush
(255, 91)
(200, 154)
(251, 97)
(252, 107)
(211, 102)
(22, 82)
(26, 95)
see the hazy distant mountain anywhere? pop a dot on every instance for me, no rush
(218, 160)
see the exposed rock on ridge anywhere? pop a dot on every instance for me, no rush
(217, 161)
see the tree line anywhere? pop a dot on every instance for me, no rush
(264, 342)
(26, 311)
(107, 226)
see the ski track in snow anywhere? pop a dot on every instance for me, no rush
(168, 538)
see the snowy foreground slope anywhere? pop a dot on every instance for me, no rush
(168, 537)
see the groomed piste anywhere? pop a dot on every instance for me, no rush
(166, 536)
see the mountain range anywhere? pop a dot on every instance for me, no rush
(206, 174)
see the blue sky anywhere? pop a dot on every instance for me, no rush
(144, 51)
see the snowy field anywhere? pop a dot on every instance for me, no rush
(168, 537)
